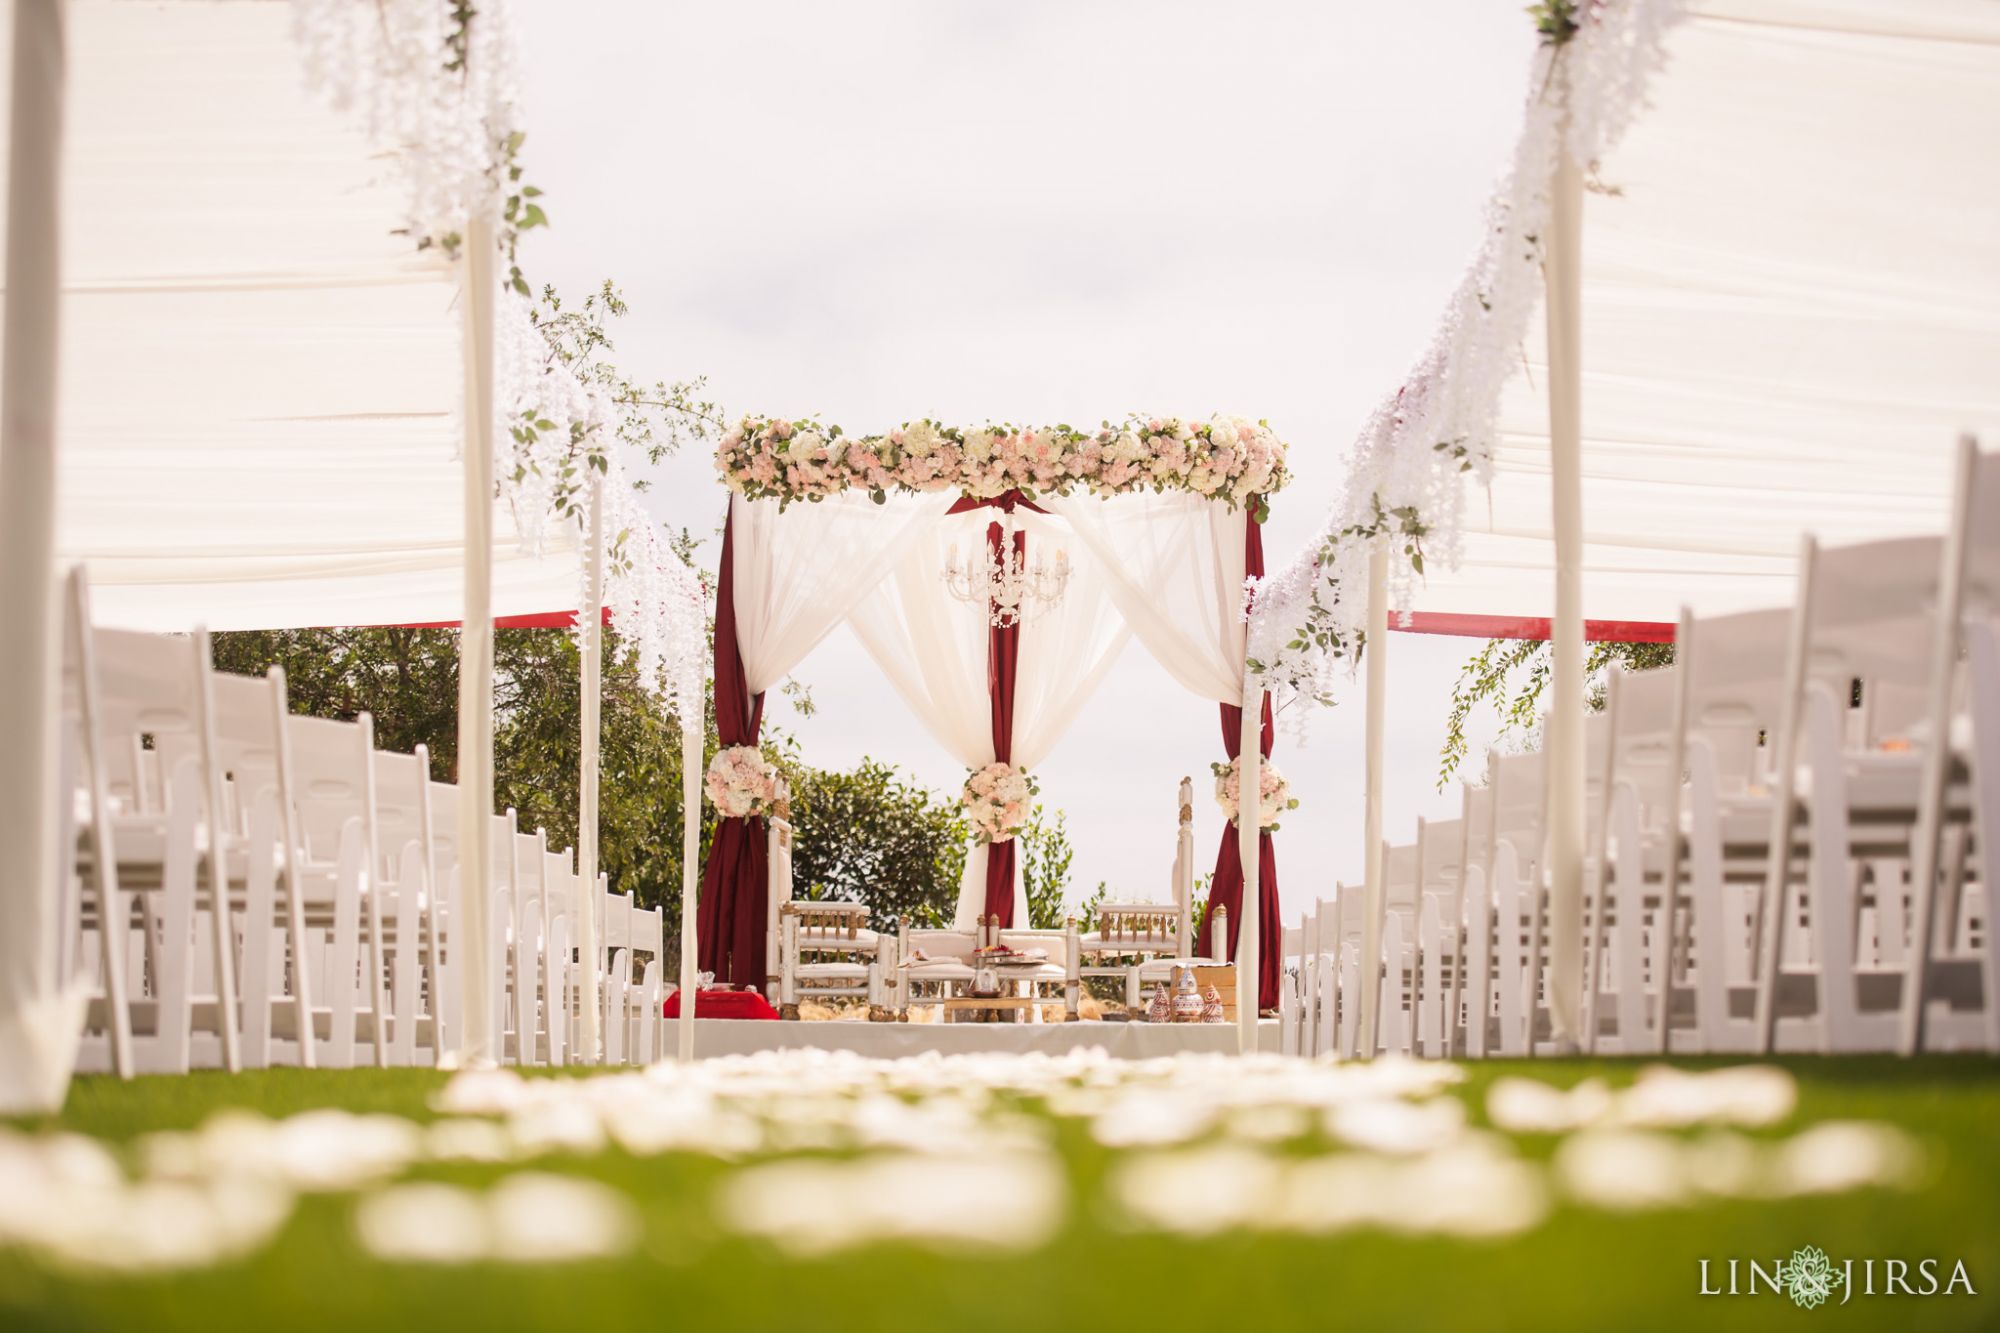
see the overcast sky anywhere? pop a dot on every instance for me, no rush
(1038, 212)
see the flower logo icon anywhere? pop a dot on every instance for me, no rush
(1809, 1276)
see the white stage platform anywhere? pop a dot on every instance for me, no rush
(1130, 1041)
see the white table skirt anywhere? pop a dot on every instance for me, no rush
(1129, 1041)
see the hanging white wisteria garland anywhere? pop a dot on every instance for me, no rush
(657, 602)
(436, 83)
(1405, 473)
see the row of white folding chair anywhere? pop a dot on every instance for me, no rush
(320, 836)
(1751, 678)
(204, 790)
(632, 939)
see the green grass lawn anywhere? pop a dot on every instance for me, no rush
(1580, 1268)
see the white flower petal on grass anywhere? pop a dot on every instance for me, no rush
(1197, 1191)
(813, 1208)
(1725, 1165)
(1843, 1155)
(423, 1223)
(1747, 1095)
(1387, 1126)
(529, 1217)
(465, 1139)
(315, 1151)
(1623, 1169)
(557, 1125)
(156, 1226)
(483, 1092)
(1149, 1117)
(540, 1218)
(1475, 1187)
(1268, 1124)
(333, 1150)
(1530, 1106)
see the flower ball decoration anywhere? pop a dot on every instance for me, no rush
(996, 800)
(741, 782)
(1274, 794)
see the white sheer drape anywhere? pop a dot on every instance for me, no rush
(798, 574)
(933, 649)
(931, 646)
(1173, 566)
(1168, 568)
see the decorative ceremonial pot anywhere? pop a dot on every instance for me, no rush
(1211, 1009)
(1161, 1010)
(1187, 1000)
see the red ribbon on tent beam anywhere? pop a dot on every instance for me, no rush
(1473, 626)
(531, 620)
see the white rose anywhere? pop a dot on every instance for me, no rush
(803, 445)
(979, 445)
(1128, 447)
(920, 439)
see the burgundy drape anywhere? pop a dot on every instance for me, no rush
(1003, 652)
(1226, 888)
(736, 881)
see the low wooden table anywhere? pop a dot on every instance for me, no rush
(988, 1008)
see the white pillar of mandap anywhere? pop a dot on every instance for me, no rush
(39, 1024)
(588, 769)
(1376, 653)
(475, 660)
(1562, 272)
(691, 773)
(1249, 851)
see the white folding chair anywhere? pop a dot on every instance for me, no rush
(154, 760)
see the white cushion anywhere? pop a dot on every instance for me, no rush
(830, 972)
(937, 944)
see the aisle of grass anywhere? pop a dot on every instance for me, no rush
(1579, 1269)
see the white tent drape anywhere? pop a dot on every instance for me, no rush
(933, 649)
(800, 572)
(1173, 566)
(260, 392)
(1790, 306)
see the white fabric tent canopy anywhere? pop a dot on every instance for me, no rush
(265, 384)
(260, 412)
(1790, 309)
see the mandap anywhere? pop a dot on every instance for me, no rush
(994, 575)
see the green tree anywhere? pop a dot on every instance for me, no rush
(1510, 675)
(868, 836)
(407, 679)
(1043, 863)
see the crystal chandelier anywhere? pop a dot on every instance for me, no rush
(1011, 588)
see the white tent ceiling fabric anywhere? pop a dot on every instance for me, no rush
(1791, 308)
(261, 383)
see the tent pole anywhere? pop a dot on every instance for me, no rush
(475, 664)
(30, 656)
(1376, 653)
(1250, 852)
(1562, 272)
(588, 769)
(691, 774)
